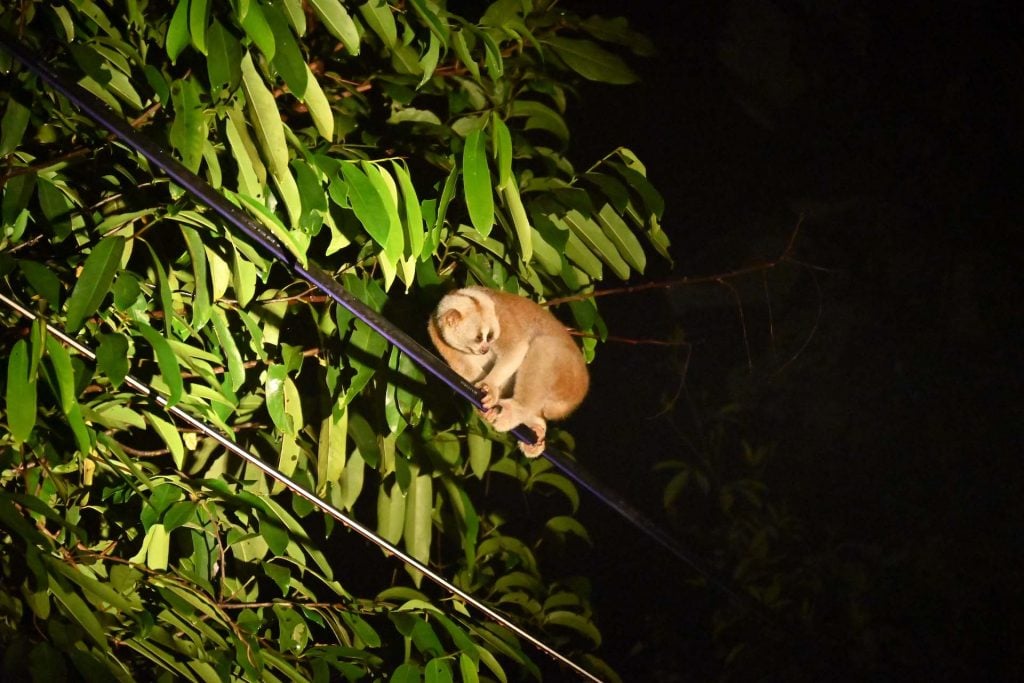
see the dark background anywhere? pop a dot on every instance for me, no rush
(880, 365)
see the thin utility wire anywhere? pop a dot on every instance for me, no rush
(147, 391)
(101, 114)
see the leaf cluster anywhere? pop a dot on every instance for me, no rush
(406, 148)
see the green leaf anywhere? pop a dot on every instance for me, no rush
(274, 224)
(188, 130)
(293, 629)
(99, 593)
(425, 640)
(428, 62)
(616, 30)
(258, 29)
(266, 121)
(177, 31)
(548, 258)
(491, 663)
(200, 291)
(365, 438)
(377, 15)
(13, 126)
(390, 513)
(169, 435)
(447, 194)
(224, 57)
(158, 547)
(414, 230)
(112, 357)
(594, 238)
(166, 361)
(476, 182)
(561, 483)
(437, 670)
(331, 448)
(438, 28)
(337, 20)
(366, 203)
(276, 376)
(362, 629)
(79, 611)
(590, 61)
(319, 107)
(575, 622)
(458, 38)
(179, 514)
(164, 289)
(17, 192)
(287, 56)
(94, 282)
(480, 448)
(65, 374)
(352, 480)
(419, 518)
(198, 15)
(43, 281)
(653, 200)
(502, 140)
(564, 524)
(625, 241)
(616, 192)
(468, 668)
(406, 673)
(540, 117)
(21, 393)
(577, 252)
(252, 174)
(493, 60)
(228, 347)
(296, 15)
(387, 191)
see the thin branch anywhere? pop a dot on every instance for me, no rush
(720, 278)
(812, 333)
(628, 340)
(743, 321)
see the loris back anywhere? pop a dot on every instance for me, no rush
(517, 352)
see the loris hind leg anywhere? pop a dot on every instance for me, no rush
(510, 413)
(534, 396)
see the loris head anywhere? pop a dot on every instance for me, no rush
(467, 322)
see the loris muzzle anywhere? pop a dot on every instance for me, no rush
(518, 353)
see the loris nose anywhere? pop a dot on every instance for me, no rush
(484, 348)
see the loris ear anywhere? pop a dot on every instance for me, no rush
(450, 318)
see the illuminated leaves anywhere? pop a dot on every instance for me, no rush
(406, 149)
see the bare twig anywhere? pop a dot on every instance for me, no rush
(720, 278)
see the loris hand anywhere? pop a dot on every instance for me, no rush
(490, 398)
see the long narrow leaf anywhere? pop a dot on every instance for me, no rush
(338, 21)
(21, 393)
(94, 282)
(476, 182)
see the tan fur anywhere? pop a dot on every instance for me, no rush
(521, 356)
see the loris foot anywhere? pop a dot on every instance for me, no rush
(535, 450)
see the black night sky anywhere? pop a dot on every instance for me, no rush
(881, 364)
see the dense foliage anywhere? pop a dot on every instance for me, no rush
(407, 149)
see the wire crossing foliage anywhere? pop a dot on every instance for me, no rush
(326, 283)
(295, 488)
(342, 132)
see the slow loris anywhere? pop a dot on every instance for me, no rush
(520, 355)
